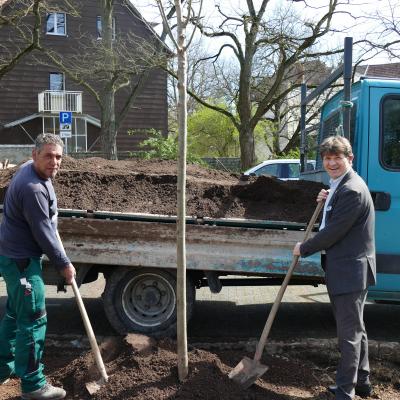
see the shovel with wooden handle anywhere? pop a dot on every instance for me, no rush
(94, 386)
(249, 370)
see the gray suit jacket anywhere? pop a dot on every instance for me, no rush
(348, 238)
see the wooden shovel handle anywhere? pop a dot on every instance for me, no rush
(277, 302)
(88, 326)
(89, 332)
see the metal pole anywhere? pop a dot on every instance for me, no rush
(303, 138)
(347, 73)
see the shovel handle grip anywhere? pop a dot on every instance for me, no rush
(277, 302)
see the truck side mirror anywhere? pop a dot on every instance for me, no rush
(382, 200)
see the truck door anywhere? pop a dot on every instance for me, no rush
(383, 179)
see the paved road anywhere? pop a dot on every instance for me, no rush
(236, 312)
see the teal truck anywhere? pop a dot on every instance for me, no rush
(368, 114)
(136, 253)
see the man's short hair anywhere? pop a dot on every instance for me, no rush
(47, 138)
(335, 145)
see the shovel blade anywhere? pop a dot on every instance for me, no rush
(94, 386)
(247, 372)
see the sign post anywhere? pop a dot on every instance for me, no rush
(66, 127)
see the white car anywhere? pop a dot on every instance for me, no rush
(283, 168)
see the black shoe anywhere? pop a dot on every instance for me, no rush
(361, 390)
(364, 390)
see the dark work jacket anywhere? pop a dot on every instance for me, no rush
(29, 225)
(348, 238)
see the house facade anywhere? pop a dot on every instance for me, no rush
(33, 94)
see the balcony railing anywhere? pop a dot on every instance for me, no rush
(54, 101)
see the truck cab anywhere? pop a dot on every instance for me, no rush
(375, 137)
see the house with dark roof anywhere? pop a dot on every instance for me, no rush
(391, 71)
(33, 94)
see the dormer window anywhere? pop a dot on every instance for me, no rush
(98, 27)
(56, 24)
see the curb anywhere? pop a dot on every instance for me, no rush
(377, 349)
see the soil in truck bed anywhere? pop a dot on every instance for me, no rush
(149, 186)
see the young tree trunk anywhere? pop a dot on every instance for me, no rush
(183, 363)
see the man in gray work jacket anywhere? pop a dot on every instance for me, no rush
(27, 231)
(346, 239)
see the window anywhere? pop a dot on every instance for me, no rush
(332, 126)
(293, 170)
(56, 81)
(56, 24)
(270, 169)
(390, 135)
(98, 27)
(78, 140)
(310, 166)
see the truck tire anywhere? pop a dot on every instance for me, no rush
(143, 300)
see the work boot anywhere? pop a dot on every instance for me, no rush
(46, 392)
(363, 391)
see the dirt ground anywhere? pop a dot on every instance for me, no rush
(152, 374)
(149, 186)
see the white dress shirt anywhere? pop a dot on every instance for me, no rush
(333, 184)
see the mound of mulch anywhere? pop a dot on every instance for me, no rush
(149, 186)
(153, 374)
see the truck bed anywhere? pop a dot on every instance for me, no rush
(233, 246)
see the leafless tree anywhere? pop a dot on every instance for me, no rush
(383, 36)
(110, 66)
(266, 46)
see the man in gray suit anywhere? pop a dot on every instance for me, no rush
(346, 240)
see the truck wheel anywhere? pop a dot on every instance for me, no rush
(144, 300)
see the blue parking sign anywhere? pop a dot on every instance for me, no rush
(65, 117)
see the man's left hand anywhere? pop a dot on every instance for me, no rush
(296, 250)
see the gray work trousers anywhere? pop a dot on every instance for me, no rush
(353, 367)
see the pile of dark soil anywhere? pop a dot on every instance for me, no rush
(149, 186)
(153, 375)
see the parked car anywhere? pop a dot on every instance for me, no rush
(283, 168)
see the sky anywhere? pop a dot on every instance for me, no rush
(344, 23)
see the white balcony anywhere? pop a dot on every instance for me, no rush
(54, 101)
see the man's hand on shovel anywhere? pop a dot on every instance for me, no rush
(69, 273)
(321, 198)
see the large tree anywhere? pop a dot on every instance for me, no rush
(266, 45)
(115, 64)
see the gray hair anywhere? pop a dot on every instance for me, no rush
(47, 138)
